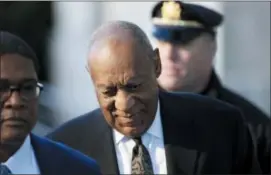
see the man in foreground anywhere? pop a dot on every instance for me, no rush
(139, 129)
(186, 37)
(20, 151)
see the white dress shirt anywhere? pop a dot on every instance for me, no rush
(154, 142)
(24, 160)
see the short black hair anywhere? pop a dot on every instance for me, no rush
(12, 44)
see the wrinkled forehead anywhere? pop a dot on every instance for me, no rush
(119, 68)
(119, 54)
(118, 73)
(16, 68)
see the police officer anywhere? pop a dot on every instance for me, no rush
(186, 38)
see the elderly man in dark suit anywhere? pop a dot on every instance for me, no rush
(186, 37)
(141, 130)
(22, 152)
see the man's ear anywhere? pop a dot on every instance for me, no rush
(213, 47)
(157, 62)
(87, 68)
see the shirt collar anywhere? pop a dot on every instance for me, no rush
(154, 130)
(156, 126)
(21, 157)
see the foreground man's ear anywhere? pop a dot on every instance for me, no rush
(157, 62)
(87, 68)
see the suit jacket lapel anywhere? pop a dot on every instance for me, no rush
(182, 157)
(43, 155)
(103, 150)
(106, 153)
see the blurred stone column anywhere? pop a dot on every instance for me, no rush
(74, 23)
(247, 51)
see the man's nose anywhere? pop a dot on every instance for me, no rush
(124, 101)
(170, 52)
(14, 101)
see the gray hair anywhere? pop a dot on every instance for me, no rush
(109, 29)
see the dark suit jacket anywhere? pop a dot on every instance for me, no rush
(55, 159)
(201, 136)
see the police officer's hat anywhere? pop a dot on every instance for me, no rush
(175, 21)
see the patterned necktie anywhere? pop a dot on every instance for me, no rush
(4, 170)
(141, 161)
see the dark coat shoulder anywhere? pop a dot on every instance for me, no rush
(75, 131)
(199, 106)
(251, 112)
(66, 160)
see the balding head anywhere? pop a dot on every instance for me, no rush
(124, 69)
(121, 30)
(115, 32)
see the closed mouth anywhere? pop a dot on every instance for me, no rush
(14, 122)
(130, 124)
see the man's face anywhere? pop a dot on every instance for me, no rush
(126, 86)
(185, 66)
(18, 112)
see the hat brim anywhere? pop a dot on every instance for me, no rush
(175, 34)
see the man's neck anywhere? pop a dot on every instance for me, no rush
(195, 88)
(8, 150)
(202, 86)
